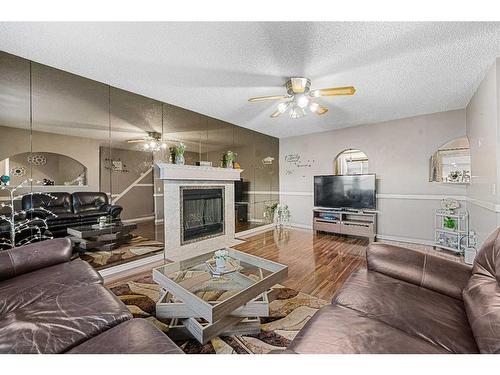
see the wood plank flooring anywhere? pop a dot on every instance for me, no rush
(318, 264)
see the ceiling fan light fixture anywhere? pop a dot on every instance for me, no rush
(313, 107)
(297, 112)
(282, 107)
(302, 101)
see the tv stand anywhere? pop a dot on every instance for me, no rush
(348, 222)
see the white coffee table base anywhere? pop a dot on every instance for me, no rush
(186, 323)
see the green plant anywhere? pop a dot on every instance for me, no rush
(449, 223)
(228, 158)
(179, 150)
(269, 211)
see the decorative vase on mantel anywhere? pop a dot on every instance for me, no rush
(177, 154)
(228, 159)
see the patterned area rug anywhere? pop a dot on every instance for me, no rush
(139, 247)
(289, 311)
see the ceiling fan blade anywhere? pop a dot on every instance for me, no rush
(332, 91)
(276, 113)
(321, 110)
(136, 140)
(262, 98)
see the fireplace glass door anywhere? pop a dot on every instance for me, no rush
(202, 213)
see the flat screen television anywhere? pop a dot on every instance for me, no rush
(354, 191)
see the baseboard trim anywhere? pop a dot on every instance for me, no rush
(253, 231)
(139, 219)
(107, 272)
(380, 236)
(301, 226)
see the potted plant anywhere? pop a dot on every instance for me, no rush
(177, 153)
(228, 159)
(277, 213)
(269, 212)
(221, 256)
(281, 215)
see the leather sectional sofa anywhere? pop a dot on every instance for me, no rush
(49, 304)
(411, 302)
(71, 210)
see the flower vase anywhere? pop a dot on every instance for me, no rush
(220, 263)
(179, 159)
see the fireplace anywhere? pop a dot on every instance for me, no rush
(202, 212)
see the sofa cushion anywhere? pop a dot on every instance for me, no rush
(336, 329)
(62, 218)
(482, 296)
(57, 202)
(84, 201)
(92, 214)
(57, 324)
(45, 283)
(436, 318)
(136, 336)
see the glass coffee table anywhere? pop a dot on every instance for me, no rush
(207, 305)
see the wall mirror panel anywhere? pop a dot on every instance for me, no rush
(451, 163)
(350, 162)
(82, 136)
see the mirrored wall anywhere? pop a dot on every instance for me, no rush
(86, 143)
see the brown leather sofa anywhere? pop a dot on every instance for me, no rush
(411, 302)
(49, 304)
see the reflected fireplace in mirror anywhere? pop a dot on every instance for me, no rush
(202, 213)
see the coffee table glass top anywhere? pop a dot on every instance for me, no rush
(191, 281)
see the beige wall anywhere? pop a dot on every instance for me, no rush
(398, 152)
(483, 131)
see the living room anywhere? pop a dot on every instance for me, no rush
(292, 188)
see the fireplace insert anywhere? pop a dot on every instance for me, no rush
(202, 213)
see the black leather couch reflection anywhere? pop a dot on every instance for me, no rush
(70, 210)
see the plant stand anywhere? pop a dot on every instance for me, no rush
(451, 228)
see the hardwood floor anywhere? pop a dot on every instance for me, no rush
(318, 264)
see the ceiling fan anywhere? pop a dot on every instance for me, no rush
(151, 142)
(300, 96)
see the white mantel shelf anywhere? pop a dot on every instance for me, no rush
(198, 173)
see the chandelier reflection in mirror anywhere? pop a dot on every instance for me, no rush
(152, 142)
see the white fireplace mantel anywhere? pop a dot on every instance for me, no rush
(175, 177)
(198, 173)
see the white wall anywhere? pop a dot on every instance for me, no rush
(398, 153)
(482, 123)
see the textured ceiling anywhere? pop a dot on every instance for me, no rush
(399, 69)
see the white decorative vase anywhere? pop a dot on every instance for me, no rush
(220, 263)
(179, 159)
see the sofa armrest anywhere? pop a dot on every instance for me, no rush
(429, 271)
(28, 258)
(113, 210)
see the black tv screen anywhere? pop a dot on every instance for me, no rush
(356, 191)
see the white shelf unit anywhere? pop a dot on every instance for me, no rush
(454, 236)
